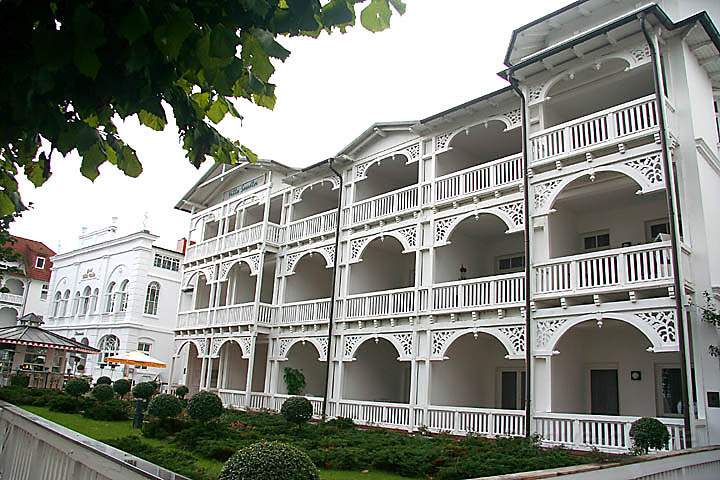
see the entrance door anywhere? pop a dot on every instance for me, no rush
(512, 390)
(604, 392)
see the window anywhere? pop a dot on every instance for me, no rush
(109, 345)
(512, 389)
(151, 298)
(57, 304)
(94, 300)
(85, 301)
(123, 293)
(65, 302)
(656, 227)
(145, 347)
(110, 298)
(596, 241)
(669, 386)
(511, 263)
(40, 263)
(167, 262)
(44, 291)
(75, 304)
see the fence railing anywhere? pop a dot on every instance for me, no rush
(390, 302)
(597, 128)
(11, 298)
(386, 205)
(307, 311)
(478, 179)
(313, 226)
(482, 421)
(641, 265)
(233, 240)
(234, 314)
(476, 293)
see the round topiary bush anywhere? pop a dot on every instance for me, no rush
(181, 391)
(77, 387)
(269, 461)
(103, 381)
(21, 381)
(297, 410)
(121, 387)
(204, 406)
(165, 406)
(144, 390)
(647, 433)
(103, 392)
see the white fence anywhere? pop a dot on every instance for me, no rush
(378, 304)
(482, 178)
(244, 313)
(241, 238)
(11, 298)
(382, 206)
(308, 311)
(477, 293)
(595, 129)
(313, 226)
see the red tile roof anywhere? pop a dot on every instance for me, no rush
(30, 250)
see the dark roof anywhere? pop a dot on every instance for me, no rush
(34, 336)
(469, 103)
(30, 250)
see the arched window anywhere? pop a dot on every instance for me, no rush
(56, 304)
(110, 298)
(75, 304)
(123, 296)
(108, 345)
(151, 298)
(94, 300)
(65, 301)
(85, 301)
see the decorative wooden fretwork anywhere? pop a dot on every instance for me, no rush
(201, 344)
(405, 341)
(356, 247)
(545, 330)
(443, 227)
(640, 53)
(215, 345)
(439, 339)
(441, 141)
(516, 212)
(650, 167)
(516, 338)
(543, 191)
(410, 234)
(513, 117)
(663, 322)
(351, 341)
(535, 91)
(414, 151)
(246, 346)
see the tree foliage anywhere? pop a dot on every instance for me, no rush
(711, 315)
(648, 433)
(294, 380)
(73, 68)
(204, 406)
(297, 410)
(77, 387)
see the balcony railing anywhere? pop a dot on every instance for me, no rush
(381, 304)
(488, 422)
(244, 313)
(308, 311)
(482, 178)
(598, 272)
(382, 206)
(595, 129)
(313, 226)
(11, 298)
(234, 314)
(478, 293)
(233, 240)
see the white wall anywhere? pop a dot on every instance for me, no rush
(377, 375)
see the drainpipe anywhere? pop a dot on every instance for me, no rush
(334, 289)
(526, 228)
(674, 241)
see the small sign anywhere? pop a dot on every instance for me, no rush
(713, 399)
(636, 375)
(88, 275)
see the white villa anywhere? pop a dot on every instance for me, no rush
(532, 260)
(116, 294)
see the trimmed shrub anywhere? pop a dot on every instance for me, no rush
(294, 380)
(163, 427)
(77, 387)
(164, 406)
(103, 381)
(204, 406)
(297, 410)
(181, 391)
(21, 381)
(144, 390)
(269, 461)
(16, 395)
(108, 411)
(65, 404)
(184, 464)
(103, 392)
(121, 387)
(647, 433)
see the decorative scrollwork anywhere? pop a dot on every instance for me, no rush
(410, 234)
(350, 342)
(650, 167)
(640, 53)
(414, 151)
(356, 247)
(215, 345)
(254, 261)
(330, 250)
(201, 346)
(516, 337)
(441, 141)
(225, 268)
(246, 346)
(284, 345)
(535, 91)
(513, 117)
(663, 322)
(406, 342)
(543, 191)
(443, 227)
(439, 339)
(545, 330)
(322, 344)
(515, 211)
(361, 169)
(291, 260)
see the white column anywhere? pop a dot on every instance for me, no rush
(208, 379)
(251, 366)
(203, 371)
(221, 370)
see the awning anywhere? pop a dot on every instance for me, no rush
(33, 336)
(136, 358)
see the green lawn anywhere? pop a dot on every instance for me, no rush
(100, 430)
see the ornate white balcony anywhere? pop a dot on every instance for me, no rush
(313, 226)
(233, 240)
(479, 179)
(383, 206)
(309, 311)
(622, 121)
(381, 304)
(640, 266)
(244, 313)
(477, 293)
(11, 298)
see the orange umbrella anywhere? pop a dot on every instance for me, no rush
(136, 358)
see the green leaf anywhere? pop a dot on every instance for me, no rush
(376, 16)
(217, 110)
(92, 158)
(270, 45)
(88, 28)
(256, 58)
(7, 207)
(152, 120)
(169, 38)
(399, 6)
(86, 62)
(338, 13)
(128, 162)
(135, 24)
(223, 42)
(35, 171)
(201, 101)
(256, 7)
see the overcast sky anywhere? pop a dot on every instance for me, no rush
(439, 54)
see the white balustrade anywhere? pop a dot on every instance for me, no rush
(606, 433)
(274, 234)
(485, 177)
(232, 398)
(316, 402)
(477, 293)
(242, 238)
(597, 128)
(641, 265)
(233, 240)
(482, 421)
(393, 415)
(313, 226)
(234, 314)
(194, 318)
(266, 313)
(389, 204)
(308, 311)
(11, 298)
(259, 401)
(390, 302)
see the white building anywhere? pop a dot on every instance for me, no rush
(437, 315)
(117, 294)
(27, 281)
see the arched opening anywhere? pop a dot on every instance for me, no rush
(311, 280)
(596, 88)
(66, 303)
(477, 374)
(110, 298)
(235, 367)
(193, 367)
(76, 304)
(94, 300)
(304, 356)
(383, 266)
(605, 369)
(604, 213)
(202, 292)
(479, 247)
(152, 298)
(123, 295)
(8, 317)
(239, 287)
(57, 304)
(85, 300)
(15, 286)
(377, 374)
(317, 198)
(389, 174)
(108, 345)
(479, 144)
